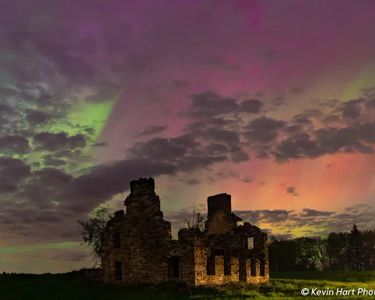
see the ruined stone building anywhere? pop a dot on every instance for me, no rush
(139, 247)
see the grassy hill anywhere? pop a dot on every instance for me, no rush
(74, 285)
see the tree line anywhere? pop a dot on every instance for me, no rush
(354, 250)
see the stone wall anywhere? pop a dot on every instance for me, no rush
(138, 247)
(145, 239)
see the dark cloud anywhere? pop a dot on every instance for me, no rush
(238, 155)
(166, 149)
(37, 117)
(192, 181)
(352, 109)
(58, 141)
(151, 130)
(14, 144)
(13, 167)
(263, 129)
(217, 149)
(292, 190)
(51, 196)
(247, 179)
(302, 119)
(5, 111)
(296, 146)
(327, 140)
(278, 101)
(251, 106)
(307, 212)
(218, 129)
(52, 177)
(313, 133)
(287, 222)
(348, 139)
(12, 174)
(209, 105)
(218, 132)
(198, 148)
(228, 137)
(101, 183)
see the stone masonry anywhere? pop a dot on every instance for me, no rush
(138, 246)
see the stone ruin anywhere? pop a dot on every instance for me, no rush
(139, 249)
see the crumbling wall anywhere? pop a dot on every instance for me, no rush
(145, 238)
(138, 247)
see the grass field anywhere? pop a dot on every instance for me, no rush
(283, 285)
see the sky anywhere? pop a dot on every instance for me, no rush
(270, 101)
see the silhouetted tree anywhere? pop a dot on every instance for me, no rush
(355, 249)
(311, 253)
(282, 255)
(93, 229)
(368, 243)
(196, 221)
(337, 250)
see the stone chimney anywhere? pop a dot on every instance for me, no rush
(142, 186)
(142, 201)
(220, 202)
(220, 219)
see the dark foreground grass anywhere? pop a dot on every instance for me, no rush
(72, 286)
(283, 285)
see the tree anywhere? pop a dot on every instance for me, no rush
(355, 249)
(368, 241)
(311, 253)
(282, 255)
(92, 230)
(337, 249)
(196, 221)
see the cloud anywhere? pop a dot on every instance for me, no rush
(12, 173)
(311, 222)
(291, 224)
(50, 196)
(151, 130)
(102, 182)
(217, 129)
(251, 106)
(58, 141)
(292, 190)
(192, 181)
(14, 144)
(296, 146)
(263, 130)
(328, 140)
(352, 109)
(214, 134)
(37, 117)
(165, 149)
(210, 104)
